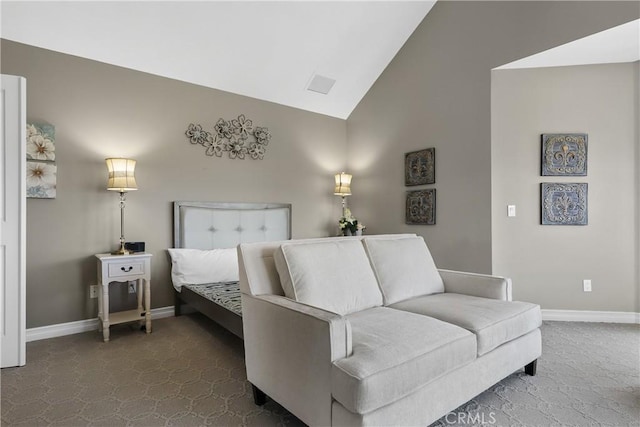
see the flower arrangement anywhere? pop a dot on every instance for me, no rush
(349, 224)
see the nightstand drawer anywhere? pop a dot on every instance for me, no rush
(126, 268)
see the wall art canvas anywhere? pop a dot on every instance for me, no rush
(420, 167)
(564, 154)
(421, 207)
(564, 203)
(41, 180)
(41, 142)
(41, 154)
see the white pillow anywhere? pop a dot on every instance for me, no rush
(404, 268)
(335, 275)
(195, 266)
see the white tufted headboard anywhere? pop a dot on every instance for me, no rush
(214, 225)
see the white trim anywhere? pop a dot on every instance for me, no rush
(591, 316)
(62, 329)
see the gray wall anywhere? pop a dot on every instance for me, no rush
(105, 111)
(437, 93)
(548, 263)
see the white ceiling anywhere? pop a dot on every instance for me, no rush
(617, 44)
(265, 50)
(268, 50)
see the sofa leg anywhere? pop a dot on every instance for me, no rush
(259, 398)
(530, 369)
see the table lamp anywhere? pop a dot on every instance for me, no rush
(343, 188)
(123, 180)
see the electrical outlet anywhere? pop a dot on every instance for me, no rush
(511, 210)
(132, 287)
(586, 285)
(93, 291)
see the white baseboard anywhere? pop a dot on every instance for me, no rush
(61, 329)
(591, 316)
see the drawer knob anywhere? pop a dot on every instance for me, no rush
(126, 269)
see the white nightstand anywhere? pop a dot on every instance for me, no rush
(118, 269)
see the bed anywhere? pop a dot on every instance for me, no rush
(205, 238)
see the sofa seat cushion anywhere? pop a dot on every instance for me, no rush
(494, 322)
(394, 354)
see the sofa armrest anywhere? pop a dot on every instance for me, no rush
(289, 350)
(477, 285)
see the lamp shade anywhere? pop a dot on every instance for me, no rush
(121, 175)
(343, 184)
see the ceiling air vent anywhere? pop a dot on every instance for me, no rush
(321, 84)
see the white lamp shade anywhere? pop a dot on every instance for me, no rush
(121, 175)
(343, 184)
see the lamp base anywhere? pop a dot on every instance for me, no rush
(122, 251)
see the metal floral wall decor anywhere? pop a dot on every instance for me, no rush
(420, 167)
(41, 156)
(564, 203)
(238, 138)
(421, 207)
(564, 154)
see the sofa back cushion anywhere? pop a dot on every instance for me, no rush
(404, 268)
(332, 275)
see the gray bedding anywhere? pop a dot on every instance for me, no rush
(226, 294)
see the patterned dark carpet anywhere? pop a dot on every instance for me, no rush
(191, 372)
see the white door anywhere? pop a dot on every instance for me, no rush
(13, 205)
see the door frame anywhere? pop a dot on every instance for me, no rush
(13, 207)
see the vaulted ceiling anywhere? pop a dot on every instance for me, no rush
(269, 50)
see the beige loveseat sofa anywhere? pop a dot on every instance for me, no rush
(351, 331)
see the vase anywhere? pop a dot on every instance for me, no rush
(358, 233)
(347, 232)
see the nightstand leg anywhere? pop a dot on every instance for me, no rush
(147, 304)
(105, 311)
(100, 315)
(139, 292)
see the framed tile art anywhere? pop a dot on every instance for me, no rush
(420, 167)
(421, 207)
(564, 203)
(564, 154)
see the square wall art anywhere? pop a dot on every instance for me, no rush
(41, 156)
(420, 167)
(564, 203)
(41, 180)
(564, 154)
(421, 207)
(41, 142)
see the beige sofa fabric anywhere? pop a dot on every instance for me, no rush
(332, 275)
(289, 348)
(446, 393)
(493, 322)
(404, 268)
(394, 354)
(258, 273)
(408, 363)
(477, 285)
